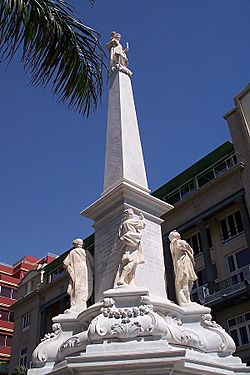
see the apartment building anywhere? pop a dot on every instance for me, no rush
(10, 276)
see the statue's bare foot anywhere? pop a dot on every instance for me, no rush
(120, 283)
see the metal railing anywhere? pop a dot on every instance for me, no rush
(233, 284)
(213, 171)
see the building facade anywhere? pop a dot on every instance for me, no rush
(211, 211)
(10, 276)
(212, 206)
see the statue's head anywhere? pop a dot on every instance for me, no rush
(128, 213)
(78, 242)
(115, 35)
(174, 235)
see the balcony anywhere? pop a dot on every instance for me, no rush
(6, 325)
(214, 171)
(224, 290)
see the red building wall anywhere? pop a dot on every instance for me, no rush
(10, 276)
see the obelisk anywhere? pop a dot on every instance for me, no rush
(125, 186)
(133, 327)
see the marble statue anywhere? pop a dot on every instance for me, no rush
(130, 235)
(183, 260)
(117, 52)
(79, 265)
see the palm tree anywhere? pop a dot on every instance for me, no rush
(56, 49)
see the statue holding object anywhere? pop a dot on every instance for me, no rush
(117, 52)
(130, 235)
(183, 260)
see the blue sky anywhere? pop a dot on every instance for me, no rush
(189, 58)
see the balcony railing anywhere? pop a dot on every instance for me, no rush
(214, 171)
(234, 284)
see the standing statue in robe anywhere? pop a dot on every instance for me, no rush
(117, 52)
(130, 235)
(79, 265)
(183, 260)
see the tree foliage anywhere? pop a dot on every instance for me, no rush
(56, 48)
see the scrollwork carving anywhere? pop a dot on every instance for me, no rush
(177, 334)
(47, 348)
(226, 342)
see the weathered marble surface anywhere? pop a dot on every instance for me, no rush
(130, 236)
(117, 54)
(79, 264)
(183, 261)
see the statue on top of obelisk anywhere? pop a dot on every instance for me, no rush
(117, 53)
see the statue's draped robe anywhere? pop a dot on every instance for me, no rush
(183, 261)
(130, 243)
(79, 265)
(117, 53)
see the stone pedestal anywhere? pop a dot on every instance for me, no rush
(131, 332)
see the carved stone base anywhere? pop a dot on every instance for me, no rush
(130, 331)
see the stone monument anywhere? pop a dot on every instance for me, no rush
(133, 328)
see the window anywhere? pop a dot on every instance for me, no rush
(209, 238)
(220, 168)
(2, 340)
(188, 188)
(231, 226)
(205, 177)
(173, 197)
(25, 321)
(56, 274)
(238, 260)
(7, 292)
(239, 329)
(9, 341)
(202, 277)
(29, 286)
(14, 294)
(5, 340)
(195, 243)
(23, 357)
(4, 315)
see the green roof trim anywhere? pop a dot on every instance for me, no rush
(89, 242)
(219, 153)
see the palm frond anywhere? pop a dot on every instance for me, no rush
(57, 48)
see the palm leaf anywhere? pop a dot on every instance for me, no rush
(57, 48)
